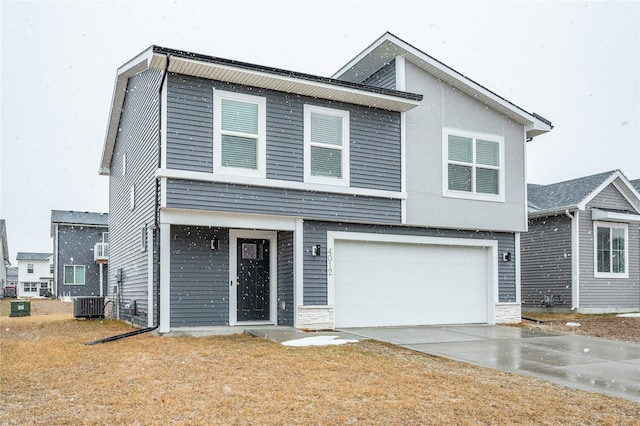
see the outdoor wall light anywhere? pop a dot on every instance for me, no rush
(315, 250)
(506, 257)
(215, 243)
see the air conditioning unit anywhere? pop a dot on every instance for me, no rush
(88, 307)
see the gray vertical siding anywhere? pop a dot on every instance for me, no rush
(137, 137)
(183, 194)
(375, 134)
(546, 262)
(75, 247)
(315, 274)
(285, 278)
(608, 293)
(199, 277)
(385, 77)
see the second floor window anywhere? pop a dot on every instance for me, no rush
(29, 268)
(473, 166)
(326, 145)
(239, 135)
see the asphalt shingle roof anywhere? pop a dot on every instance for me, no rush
(564, 194)
(33, 256)
(79, 218)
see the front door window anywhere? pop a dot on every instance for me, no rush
(253, 279)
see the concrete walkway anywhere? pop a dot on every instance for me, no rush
(597, 365)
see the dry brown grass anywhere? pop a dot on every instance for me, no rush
(48, 376)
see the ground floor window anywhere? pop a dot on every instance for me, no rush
(611, 249)
(31, 287)
(74, 274)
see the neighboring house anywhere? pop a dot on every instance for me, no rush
(35, 274)
(582, 251)
(81, 252)
(636, 184)
(392, 194)
(12, 282)
(4, 256)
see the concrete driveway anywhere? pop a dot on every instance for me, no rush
(588, 363)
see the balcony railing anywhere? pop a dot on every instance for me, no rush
(101, 252)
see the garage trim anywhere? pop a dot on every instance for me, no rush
(490, 245)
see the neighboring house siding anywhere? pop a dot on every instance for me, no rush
(385, 77)
(199, 277)
(137, 138)
(285, 278)
(183, 194)
(75, 247)
(375, 157)
(546, 262)
(608, 292)
(315, 274)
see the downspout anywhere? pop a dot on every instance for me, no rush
(575, 260)
(156, 223)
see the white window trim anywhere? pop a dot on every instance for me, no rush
(132, 197)
(446, 192)
(31, 268)
(610, 225)
(261, 154)
(74, 274)
(344, 180)
(143, 239)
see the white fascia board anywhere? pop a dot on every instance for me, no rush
(274, 183)
(597, 214)
(226, 220)
(145, 60)
(387, 47)
(559, 211)
(215, 71)
(613, 179)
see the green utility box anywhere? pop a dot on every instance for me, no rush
(20, 308)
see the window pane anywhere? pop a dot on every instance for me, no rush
(460, 149)
(326, 129)
(617, 254)
(487, 153)
(68, 274)
(487, 181)
(326, 162)
(79, 275)
(239, 152)
(459, 178)
(603, 250)
(239, 116)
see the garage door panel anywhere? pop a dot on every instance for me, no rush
(387, 284)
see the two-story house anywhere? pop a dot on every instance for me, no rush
(391, 194)
(81, 252)
(35, 274)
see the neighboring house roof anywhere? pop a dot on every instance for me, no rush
(574, 194)
(194, 64)
(33, 256)
(12, 273)
(636, 184)
(78, 218)
(388, 46)
(5, 245)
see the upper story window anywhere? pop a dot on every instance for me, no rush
(51, 268)
(473, 166)
(105, 237)
(239, 145)
(611, 250)
(326, 145)
(29, 268)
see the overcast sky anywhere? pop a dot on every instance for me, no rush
(575, 63)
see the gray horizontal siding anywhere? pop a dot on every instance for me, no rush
(315, 273)
(285, 278)
(375, 133)
(385, 77)
(184, 194)
(138, 138)
(546, 262)
(199, 277)
(608, 293)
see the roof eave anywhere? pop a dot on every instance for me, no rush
(552, 212)
(388, 46)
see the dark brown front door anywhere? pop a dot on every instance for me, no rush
(253, 279)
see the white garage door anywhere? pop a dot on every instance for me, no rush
(392, 284)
